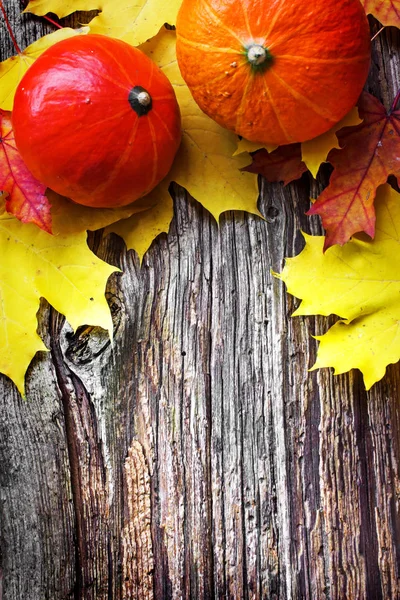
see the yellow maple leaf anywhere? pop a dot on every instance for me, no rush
(204, 165)
(359, 282)
(69, 217)
(13, 69)
(133, 22)
(247, 146)
(141, 229)
(61, 269)
(386, 11)
(315, 151)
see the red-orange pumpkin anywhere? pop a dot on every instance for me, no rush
(97, 121)
(274, 71)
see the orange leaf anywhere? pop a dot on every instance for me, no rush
(370, 153)
(26, 198)
(386, 11)
(283, 164)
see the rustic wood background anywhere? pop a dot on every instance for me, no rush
(196, 457)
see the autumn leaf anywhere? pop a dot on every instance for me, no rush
(247, 146)
(204, 165)
(69, 217)
(133, 22)
(25, 195)
(283, 164)
(370, 153)
(360, 282)
(386, 11)
(288, 163)
(61, 269)
(141, 229)
(13, 69)
(315, 151)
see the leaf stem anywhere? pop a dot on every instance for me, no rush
(377, 33)
(9, 28)
(395, 102)
(52, 22)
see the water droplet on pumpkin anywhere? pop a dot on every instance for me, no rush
(234, 65)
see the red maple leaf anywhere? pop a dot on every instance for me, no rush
(283, 164)
(26, 198)
(370, 153)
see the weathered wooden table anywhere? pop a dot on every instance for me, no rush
(197, 457)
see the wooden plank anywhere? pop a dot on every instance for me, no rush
(197, 457)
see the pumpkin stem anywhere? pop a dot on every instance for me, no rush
(140, 100)
(258, 56)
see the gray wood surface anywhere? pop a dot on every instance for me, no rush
(197, 457)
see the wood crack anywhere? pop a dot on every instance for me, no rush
(88, 477)
(60, 369)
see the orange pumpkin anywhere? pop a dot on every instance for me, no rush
(97, 121)
(274, 71)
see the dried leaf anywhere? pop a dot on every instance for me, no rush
(134, 22)
(13, 69)
(25, 195)
(315, 152)
(360, 282)
(61, 269)
(283, 164)
(370, 154)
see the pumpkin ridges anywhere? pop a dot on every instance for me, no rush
(104, 77)
(326, 61)
(90, 68)
(207, 47)
(219, 22)
(151, 74)
(109, 80)
(163, 124)
(113, 174)
(240, 112)
(320, 111)
(222, 76)
(246, 20)
(275, 45)
(106, 121)
(113, 59)
(155, 157)
(111, 184)
(276, 16)
(287, 137)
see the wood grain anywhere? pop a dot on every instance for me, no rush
(197, 457)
